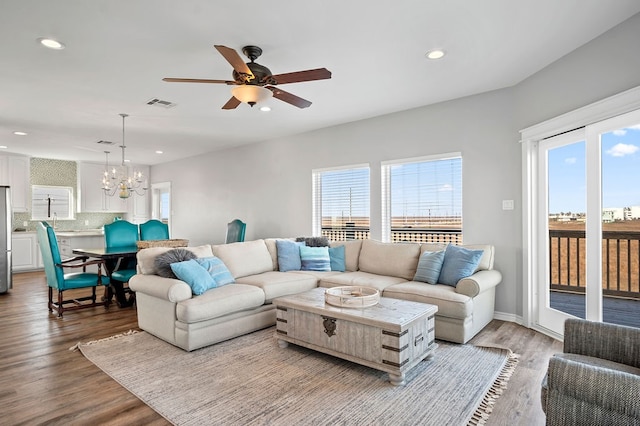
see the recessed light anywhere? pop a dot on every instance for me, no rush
(18, 133)
(51, 43)
(435, 54)
(265, 108)
(159, 152)
(3, 147)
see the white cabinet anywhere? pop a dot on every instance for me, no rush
(14, 171)
(25, 252)
(91, 198)
(138, 211)
(67, 241)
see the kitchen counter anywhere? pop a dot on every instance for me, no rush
(80, 233)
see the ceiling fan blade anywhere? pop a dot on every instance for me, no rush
(296, 77)
(289, 98)
(197, 80)
(234, 59)
(231, 103)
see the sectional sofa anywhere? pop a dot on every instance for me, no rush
(168, 309)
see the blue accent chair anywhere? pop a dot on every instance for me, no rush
(59, 280)
(154, 230)
(121, 234)
(235, 231)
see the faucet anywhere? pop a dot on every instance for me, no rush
(55, 219)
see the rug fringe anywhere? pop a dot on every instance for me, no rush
(93, 342)
(481, 415)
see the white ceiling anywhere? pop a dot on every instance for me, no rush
(118, 51)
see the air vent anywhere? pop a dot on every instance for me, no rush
(105, 142)
(160, 103)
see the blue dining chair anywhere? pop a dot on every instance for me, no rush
(121, 234)
(154, 230)
(235, 231)
(59, 280)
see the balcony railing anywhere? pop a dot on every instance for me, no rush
(415, 235)
(620, 262)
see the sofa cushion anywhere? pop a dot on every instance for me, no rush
(429, 267)
(486, 261)
(337, 258)
(218, 302)
(146, 257)
(459, 263)
(351, 253)
(245, 258)
(164, 261)
(275, 284)
(289, 255)
(216, 268)
(450, 304)
(359, 278)
(192, 273)
(315, 258)
(392, 259)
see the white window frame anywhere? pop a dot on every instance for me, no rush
(316, 220)
(386, 185)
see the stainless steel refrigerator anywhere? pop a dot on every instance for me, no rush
(5, 239)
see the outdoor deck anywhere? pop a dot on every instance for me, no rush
(614, 310)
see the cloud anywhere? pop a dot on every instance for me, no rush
(446, 187)
(620, 132)
(570, 160)
(622, 149)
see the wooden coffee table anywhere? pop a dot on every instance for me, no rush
(392, 336)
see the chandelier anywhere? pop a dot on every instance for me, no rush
(117, 180)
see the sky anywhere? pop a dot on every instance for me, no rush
(620, 156)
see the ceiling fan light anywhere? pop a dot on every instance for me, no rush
(251, 94)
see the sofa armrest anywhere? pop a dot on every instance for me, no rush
(478, 282)
(577, 391)
(169, 289)
(601, 340)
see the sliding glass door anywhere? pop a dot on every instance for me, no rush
(589, 224)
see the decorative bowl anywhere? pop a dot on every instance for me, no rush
(352, 296)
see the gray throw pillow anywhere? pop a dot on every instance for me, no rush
(163, 261)
(314, 241)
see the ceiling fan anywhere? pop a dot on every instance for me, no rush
(255, 82)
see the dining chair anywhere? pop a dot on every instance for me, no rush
(154, 230)
(235, 231)
(118, 234)
(59, 280)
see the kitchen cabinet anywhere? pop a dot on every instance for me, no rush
(25, 252)
(138, 205)
(69, 240)
(14, 172)
(91, 198)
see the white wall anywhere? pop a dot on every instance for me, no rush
(268, 185)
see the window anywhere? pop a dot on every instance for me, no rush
(341, 203)
(422, 199)
(49, 202)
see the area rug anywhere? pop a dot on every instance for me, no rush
(251, 381)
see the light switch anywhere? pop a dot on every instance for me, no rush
(507, 204)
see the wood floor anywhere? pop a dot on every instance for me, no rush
(43, 382)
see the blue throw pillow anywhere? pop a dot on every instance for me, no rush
(315, 258)
(429, 267)
(459, 263)
(336, 258)
(289, 255)
(193, 274)
(217, 270)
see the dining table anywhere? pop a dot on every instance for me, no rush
(112, 257)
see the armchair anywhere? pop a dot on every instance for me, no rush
(596, 380)
(61, 281)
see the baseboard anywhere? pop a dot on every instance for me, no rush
(504, 316)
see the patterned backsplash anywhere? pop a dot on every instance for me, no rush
(45, 171)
